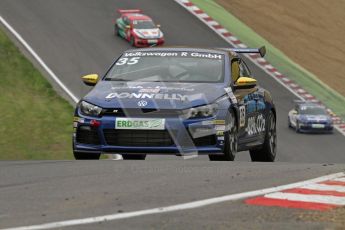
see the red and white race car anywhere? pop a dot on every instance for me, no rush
(138, 29)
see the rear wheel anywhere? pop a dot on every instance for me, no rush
(134, 156)
(230, 141)
(86, 156)
(268, 151)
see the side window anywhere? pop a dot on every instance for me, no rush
(244, 70)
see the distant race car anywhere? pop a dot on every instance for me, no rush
(309, 117)
(180, 101)
(138, 29)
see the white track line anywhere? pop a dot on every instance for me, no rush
(342, 179)
(178, 207)
(38, 59)
(307, 198)
(324, 187)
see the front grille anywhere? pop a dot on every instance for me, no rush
(87, 135)
(148, 138)
(144, 138)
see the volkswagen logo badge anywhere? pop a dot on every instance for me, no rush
(142, 103)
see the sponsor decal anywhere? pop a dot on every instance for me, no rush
(220, 127)
(161, 96)
(220, 138)
(220, 133)
(242, 115)
(228, 91)
(75, 118)
(139, 123)
(149, 90)
(256, 125)
(219, 122)
(172, 54)
(142, 89)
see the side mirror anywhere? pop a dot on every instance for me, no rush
(245, 83)
(128, 27)
(90, 80)
(158, 26)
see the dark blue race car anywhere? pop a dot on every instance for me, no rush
(180, 101)
(310, 117)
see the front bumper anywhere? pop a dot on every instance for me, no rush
(311, 127)
(143, 42)
(180, 137)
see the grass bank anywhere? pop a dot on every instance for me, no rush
(35, 123)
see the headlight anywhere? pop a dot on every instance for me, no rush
(201, 111)
(89, 109)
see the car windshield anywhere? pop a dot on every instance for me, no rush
(143, 24)
(168, 67)
(310, 110)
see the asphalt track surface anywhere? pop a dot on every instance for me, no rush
(75, 38)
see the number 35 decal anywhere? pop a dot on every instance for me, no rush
(131, 61)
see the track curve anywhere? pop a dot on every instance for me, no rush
(75, 37)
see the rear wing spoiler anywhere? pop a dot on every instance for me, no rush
(261, 50)
(122, 11)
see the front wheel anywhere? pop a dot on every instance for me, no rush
(86, 156)
(297, 129)
(230, 140)
(132, 41)
(268, 151)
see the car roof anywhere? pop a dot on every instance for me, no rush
(183, 48)
(137, 16)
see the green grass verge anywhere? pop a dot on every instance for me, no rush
(303, 77)
(35, 122)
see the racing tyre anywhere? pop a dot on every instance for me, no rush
(116, 30)
(269, 148)
(297, 127)
(134, 156)
(132, 41)
(230, 141)
(86, 156)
